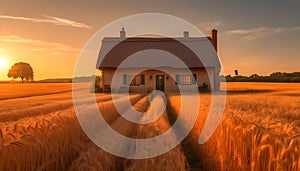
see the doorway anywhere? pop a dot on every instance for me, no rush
(160, 82)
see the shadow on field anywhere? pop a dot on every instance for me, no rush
(249, 91)
(290, 94)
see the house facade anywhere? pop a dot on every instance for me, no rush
(197, 55)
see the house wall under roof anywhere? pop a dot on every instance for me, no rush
(149, 83)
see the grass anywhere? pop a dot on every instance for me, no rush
(46, 140)
(12, 91)
(257, 132)
(260, 130)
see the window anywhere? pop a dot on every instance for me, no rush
(194, 79)
(124, 79)
(177, 79)
(136, 80)
(142, 79)
(186, 79)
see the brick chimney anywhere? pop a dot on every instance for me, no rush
(185, 34)
(214, 38)
(123, 33)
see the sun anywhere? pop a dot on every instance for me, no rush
(3, 62)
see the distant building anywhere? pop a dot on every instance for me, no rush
(202, 62)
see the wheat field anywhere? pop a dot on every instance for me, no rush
(259, 130)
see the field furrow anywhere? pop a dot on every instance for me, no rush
(171, 160)
(246, 140)
(35, 106)
(97, 159)
(47, 142)
(40, 130)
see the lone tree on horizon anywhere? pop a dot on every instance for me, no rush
(236, 72)
(21, 70)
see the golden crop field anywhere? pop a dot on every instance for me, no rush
(260, 130)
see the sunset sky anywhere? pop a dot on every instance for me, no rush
(254, 36)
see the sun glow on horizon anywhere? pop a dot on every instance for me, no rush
(3, 62)
(4, 67)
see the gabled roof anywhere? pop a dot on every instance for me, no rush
(193, 51)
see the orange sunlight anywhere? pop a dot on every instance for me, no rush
(4, 67)
(3, 62)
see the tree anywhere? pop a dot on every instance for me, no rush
(276, 74)
(254, 76)
(236, 72)
(97, 85)
(21, 70)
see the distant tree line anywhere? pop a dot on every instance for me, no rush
(97, 86)
(274, 77)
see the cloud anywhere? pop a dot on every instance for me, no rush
(48, 19)
(256, 33)
(39, 49)
(40, 45)
(16, 39)
(55, 53)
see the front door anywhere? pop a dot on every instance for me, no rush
(160, 82)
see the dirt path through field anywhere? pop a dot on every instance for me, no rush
(171, 160)
(98, 159)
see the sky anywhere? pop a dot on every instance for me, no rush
(254, 36)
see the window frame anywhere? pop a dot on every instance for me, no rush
(137, 80)
(183, 79)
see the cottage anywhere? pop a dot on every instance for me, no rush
(197, 53)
